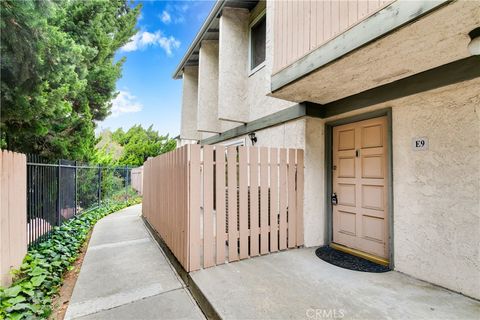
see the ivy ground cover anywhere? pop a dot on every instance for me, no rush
(41, 274)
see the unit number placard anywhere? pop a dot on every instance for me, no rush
(420, 144)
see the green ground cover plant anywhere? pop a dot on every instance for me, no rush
(41, 274)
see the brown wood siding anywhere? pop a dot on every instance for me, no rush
(302, 26)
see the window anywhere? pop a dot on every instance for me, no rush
(257, 41)
(236, 143)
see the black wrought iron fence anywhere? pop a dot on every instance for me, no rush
(60, 191)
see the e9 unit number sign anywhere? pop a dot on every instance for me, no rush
(420, 144)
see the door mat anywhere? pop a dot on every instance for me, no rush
(348, 261)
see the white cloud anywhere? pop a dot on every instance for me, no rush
(174, 13)
(143, 39)
(125, 102)
(165, 17)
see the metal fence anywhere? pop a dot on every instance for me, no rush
(57, 192)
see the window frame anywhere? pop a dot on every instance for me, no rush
(260, 16)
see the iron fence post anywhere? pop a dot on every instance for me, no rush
(59, 222)
(76, 188)
(99, 185)
(126, 183)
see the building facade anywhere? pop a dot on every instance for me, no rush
(383, 96)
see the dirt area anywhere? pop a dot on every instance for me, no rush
(61, 300)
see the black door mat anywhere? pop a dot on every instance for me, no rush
(348, 261)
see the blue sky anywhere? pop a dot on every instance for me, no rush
(147, 93)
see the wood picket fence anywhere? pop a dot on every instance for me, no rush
(136, 179)
(217, 204)
(13, 213)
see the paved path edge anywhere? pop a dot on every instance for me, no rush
(205, 306)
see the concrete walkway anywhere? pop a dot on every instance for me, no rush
(125, 275)
(295, 284)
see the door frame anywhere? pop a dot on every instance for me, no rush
(329, 174)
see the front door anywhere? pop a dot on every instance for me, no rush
(360, 185)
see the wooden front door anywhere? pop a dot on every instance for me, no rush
(360, 185)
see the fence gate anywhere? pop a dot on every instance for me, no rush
(214, 204)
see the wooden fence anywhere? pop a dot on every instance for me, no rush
(214, 204)
(13, 212)
(137, 179)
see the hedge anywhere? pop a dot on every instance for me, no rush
(41, 274)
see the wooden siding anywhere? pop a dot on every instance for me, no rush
(13, 212)
(302, 26)
(216, 204)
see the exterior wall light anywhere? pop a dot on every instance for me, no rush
(474, 45)
(252, 137)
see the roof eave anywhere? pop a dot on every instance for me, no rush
(217, 8)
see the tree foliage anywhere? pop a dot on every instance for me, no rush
(132, 147)
(59, 72)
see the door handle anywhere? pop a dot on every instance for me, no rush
(334, 199)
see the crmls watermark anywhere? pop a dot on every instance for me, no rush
(321, 313)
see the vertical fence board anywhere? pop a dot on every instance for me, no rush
(292, 199)
(220, 203)
(232, 203)
(300, 190)
(254, 217)
(273, 200)
(283, 199)
(243, 203)
(13, 213)
(4, 217)
(194, 207)
(208, 241)
(264, 200)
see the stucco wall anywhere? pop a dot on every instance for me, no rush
(189, 104)
(207, 116)
(437, 192)
(233, 61)
(314, 207)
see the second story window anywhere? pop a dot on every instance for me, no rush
(258, 34)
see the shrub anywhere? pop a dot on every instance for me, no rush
(41, 273)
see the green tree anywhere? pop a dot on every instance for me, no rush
(137, 145)
(59, 73)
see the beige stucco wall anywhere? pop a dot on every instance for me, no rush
(188, 129)
(314, 207)
(207, 116)
(437, 192)
(233, 61)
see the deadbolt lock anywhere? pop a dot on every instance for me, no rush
(334, 199)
